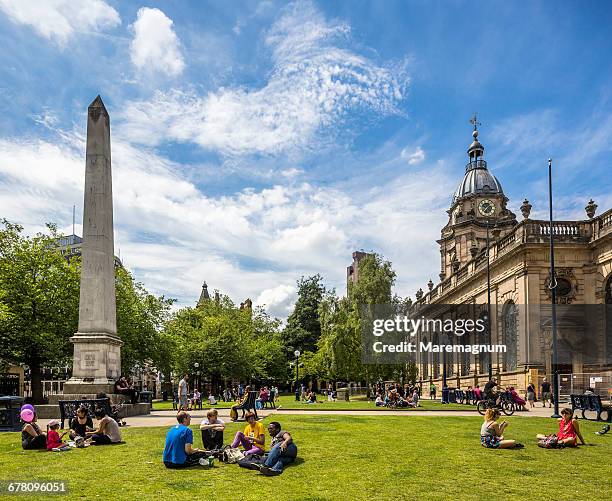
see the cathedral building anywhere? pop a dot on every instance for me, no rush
(489, 256)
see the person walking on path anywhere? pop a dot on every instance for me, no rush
(546, 393)
(183, 393)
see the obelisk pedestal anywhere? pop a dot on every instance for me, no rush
(97, 348)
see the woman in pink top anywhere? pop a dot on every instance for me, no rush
(569, 430)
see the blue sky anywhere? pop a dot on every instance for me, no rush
(255, 142)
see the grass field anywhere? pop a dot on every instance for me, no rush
(340, 457)
(288, 402)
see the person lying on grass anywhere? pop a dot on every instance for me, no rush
(569, 432)
(492, 433)
(253, 438)
(179, 451)
(107, 431)
(283, 450)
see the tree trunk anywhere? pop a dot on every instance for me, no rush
(36, 383)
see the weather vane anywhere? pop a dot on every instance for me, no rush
(474, 121)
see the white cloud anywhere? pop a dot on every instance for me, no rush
(413, 157)
(58, 20)
(278, 301)
(253, 243)
(313, 84)
(155, 47)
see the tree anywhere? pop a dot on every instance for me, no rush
(140, 318)
(340, 345)
(226, 342)
(303, 328)
(40, 301)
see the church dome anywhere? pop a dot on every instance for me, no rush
(477, 179)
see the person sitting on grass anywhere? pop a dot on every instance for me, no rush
(32, 437)
(253, 438)
(212, 430)
(80, 424)
(107, 431)
(492, 433)
(54, 439)
(379, 402)
(179, 451)
(312, 398)
(283, 450)
(569, 432)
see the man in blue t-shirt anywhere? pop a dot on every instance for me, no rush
(179, 451)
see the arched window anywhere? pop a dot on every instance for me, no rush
(509, 330)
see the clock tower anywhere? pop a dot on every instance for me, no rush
(478, 202)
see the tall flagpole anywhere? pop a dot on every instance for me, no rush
(553, 294)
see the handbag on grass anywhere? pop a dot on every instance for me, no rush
(232, 455)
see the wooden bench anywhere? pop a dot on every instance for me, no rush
(591, 403)
(68, 408)
(248, 404)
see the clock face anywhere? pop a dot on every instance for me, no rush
(486, 208)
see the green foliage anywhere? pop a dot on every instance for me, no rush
(40, 300)
(340, 345)
(226, 342)
(140, 317)
(303, 328)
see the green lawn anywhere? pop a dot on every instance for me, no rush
(288, 402)
(341, 457)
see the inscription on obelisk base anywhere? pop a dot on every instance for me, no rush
(97, 348)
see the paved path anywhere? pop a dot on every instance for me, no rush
(168, 418)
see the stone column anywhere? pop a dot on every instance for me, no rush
(97, 348)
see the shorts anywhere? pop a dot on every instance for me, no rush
(183, 401)
(531, 396)
(546, 395)
(489, 441)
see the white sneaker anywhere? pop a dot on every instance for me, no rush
(203, 461)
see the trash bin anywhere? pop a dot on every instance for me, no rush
(165, 396)
(445, 395)
(9, 413)
(146, 397)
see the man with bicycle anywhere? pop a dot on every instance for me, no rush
(489, 392)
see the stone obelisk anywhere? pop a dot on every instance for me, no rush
(97, 348)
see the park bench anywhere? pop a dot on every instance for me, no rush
(248, 404)
(591, 403)
(68, 408)
(459, 396)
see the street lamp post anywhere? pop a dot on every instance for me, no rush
(196, 379)
(553, 296)
(297, 374)
(489, 305)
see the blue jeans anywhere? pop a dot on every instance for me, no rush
(278, 458)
